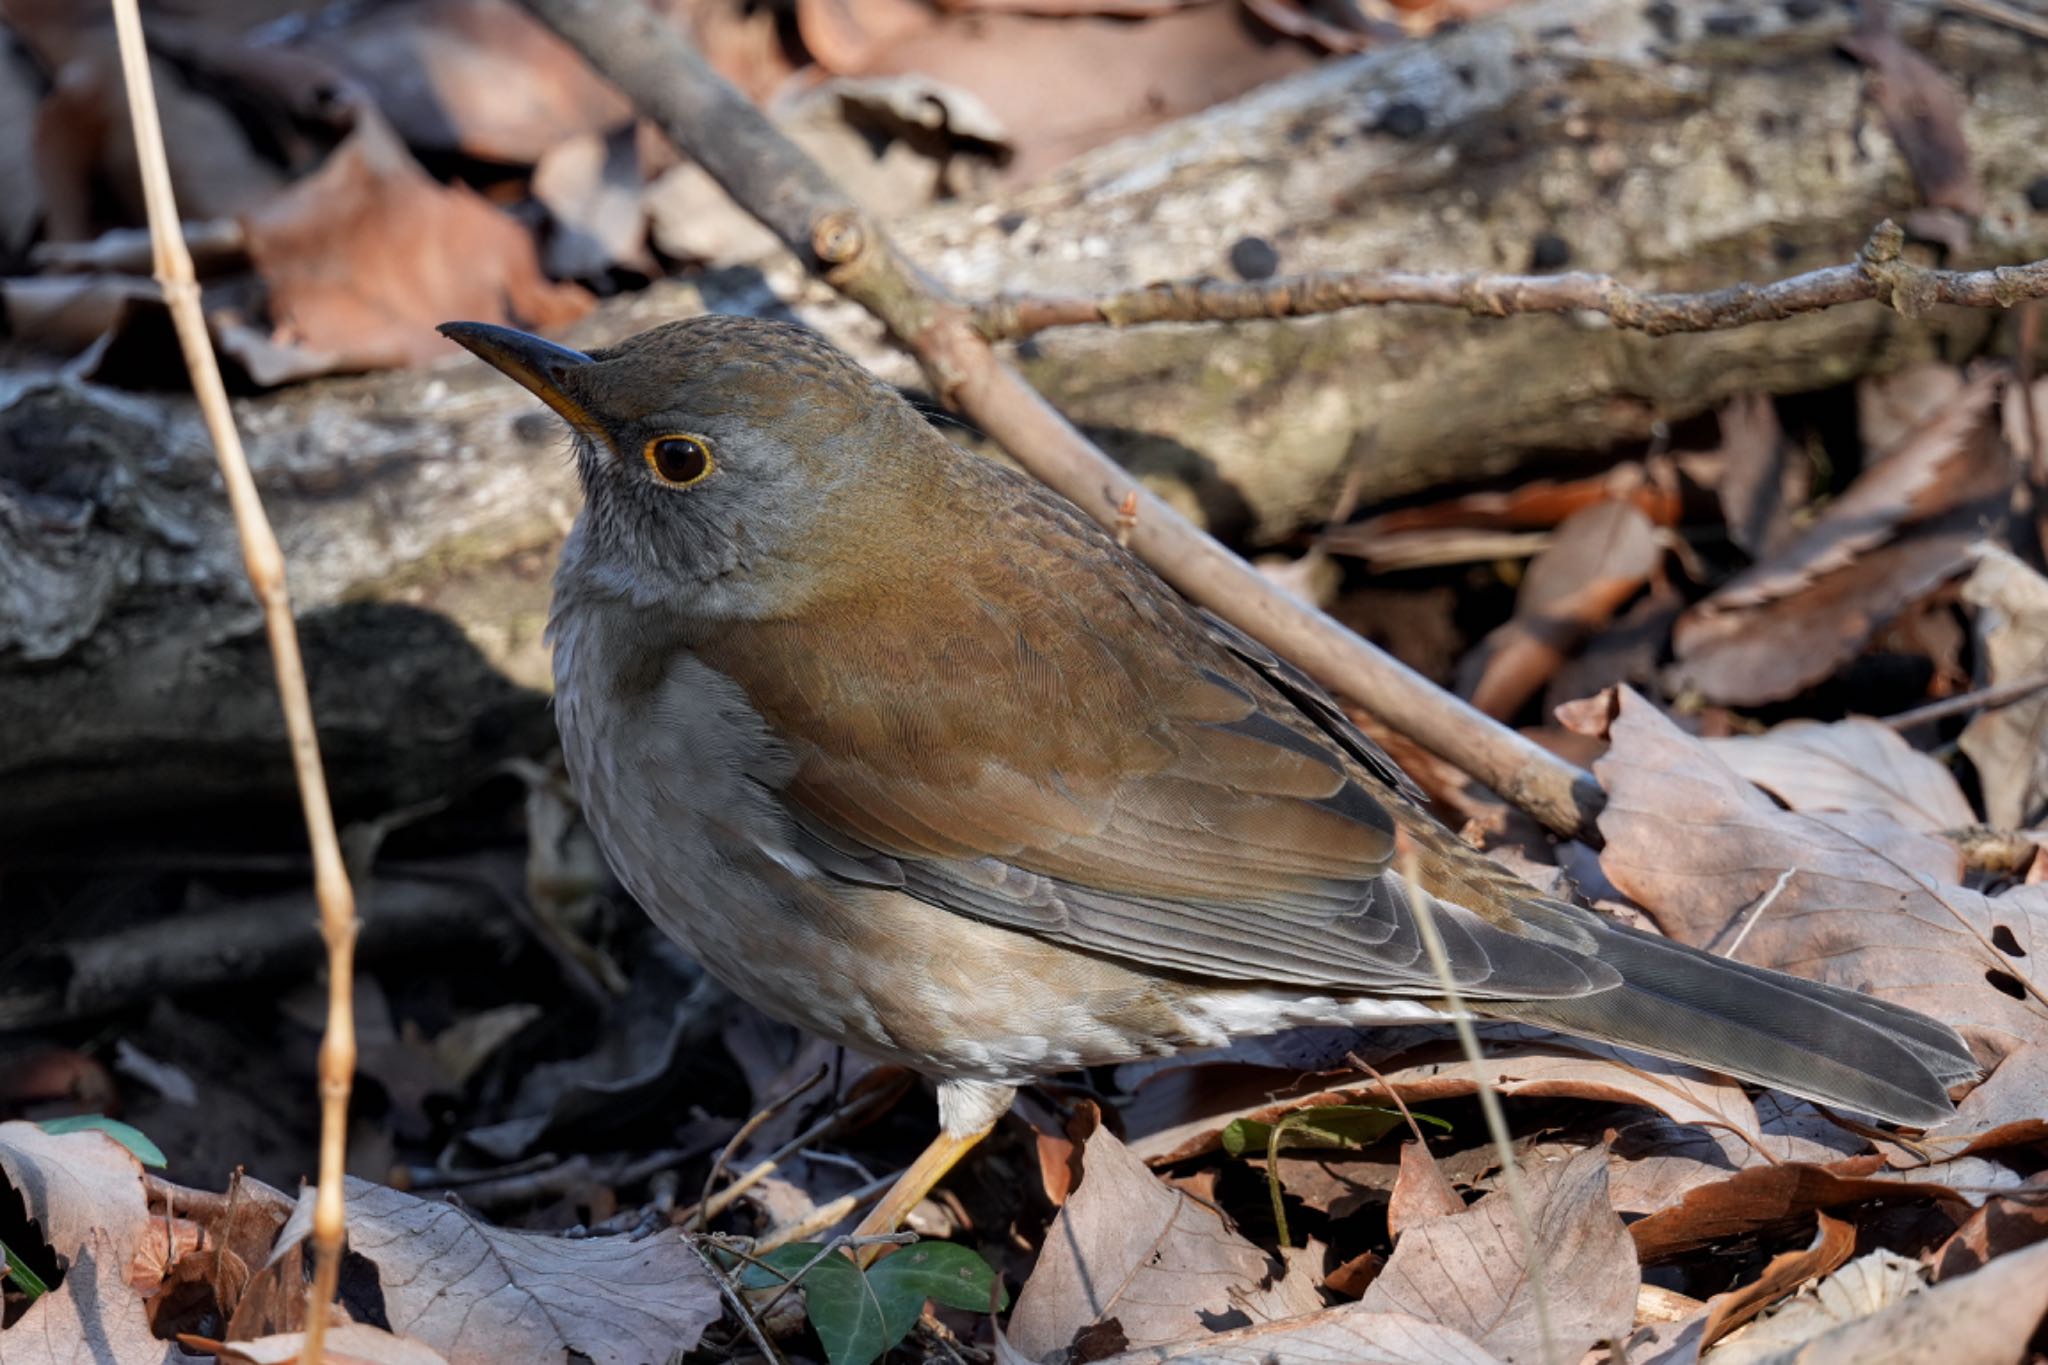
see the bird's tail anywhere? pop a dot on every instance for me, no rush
(1823, 1042)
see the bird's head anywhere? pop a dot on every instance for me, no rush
(712, 450)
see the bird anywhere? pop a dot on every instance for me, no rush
(911, 753)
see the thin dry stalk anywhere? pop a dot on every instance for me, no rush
(265, 565)
(1489, 1098)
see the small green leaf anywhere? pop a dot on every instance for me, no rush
(857, 1315)
(17, 1270)
(1328, 1125)
(944, 1271)
(129, 1136)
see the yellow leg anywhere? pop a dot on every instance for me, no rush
(914, 1184)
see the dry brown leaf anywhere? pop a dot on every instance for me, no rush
(1599, 559)
(1537, 505)
(2009, 744)
(1901, 528)
(1421, 1191)
(1981, 1319)
(366, 255)
(1765, 1196)
(845, 37)
(1166, 1269)
(591, 186)
(348, 1343)
(1924, 111)
(1653, 1163)
(1565, 1068)
(84, 1193)
(1853, 764)
(2008, 1110)
(1869, 904)
(480, 77)
(1834, 1241)
(1469, 1271)
(478, 1293)
(1869, 1284)
(1890, 406)
(2006, 1223)
(1760, 480)
(1336, 1336)
(1042, 78)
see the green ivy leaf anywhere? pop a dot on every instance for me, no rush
(24, 1279)
(129, 1136)
(860, 1314)
(1325, 1125)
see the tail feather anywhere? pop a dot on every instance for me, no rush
(1819, 1041)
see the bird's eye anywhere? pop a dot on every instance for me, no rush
(678, 460)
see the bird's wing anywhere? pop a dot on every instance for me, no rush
(1073, 751)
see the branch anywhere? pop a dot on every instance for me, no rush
(1879, 272)
(265, 564)
(669, 81)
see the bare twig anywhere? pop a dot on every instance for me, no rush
(715, 1204)
(265, 565)
(747, 1130)
(668, 80)
(738, 1305)
(1983, 699)
(827, 1215)
(1879, 273)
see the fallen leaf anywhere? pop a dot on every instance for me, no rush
(1516, 1064)
(1767, 1196)
(1421, 1191)
(1128, 1249)
(1868, 904)
(860, 1313)
(2009, 744)
(2006, 1111)
(1904, 526)
(1537, 505)
(1470, 1271)
(1599, 559)
(2005, 1224)
(1870, 1284)
(364, 257)
(1849, 765)
(591, 186)
(347, 1343)
(1924, 111)
(479, 77)
(480, 1293)
(1041, 77)
(83, 1193)
(1761, 480)
(1834, 1241)
(1981, 1319)
(1350, 1335)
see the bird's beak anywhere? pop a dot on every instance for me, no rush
(539, 365)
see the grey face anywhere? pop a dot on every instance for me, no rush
(709, 450)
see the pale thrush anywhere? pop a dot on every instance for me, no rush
(909, 752)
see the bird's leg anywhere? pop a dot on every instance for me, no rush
(968, 1111)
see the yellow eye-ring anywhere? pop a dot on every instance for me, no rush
(678, 460)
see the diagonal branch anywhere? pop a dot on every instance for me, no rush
(669, 81)
(1879, 273)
